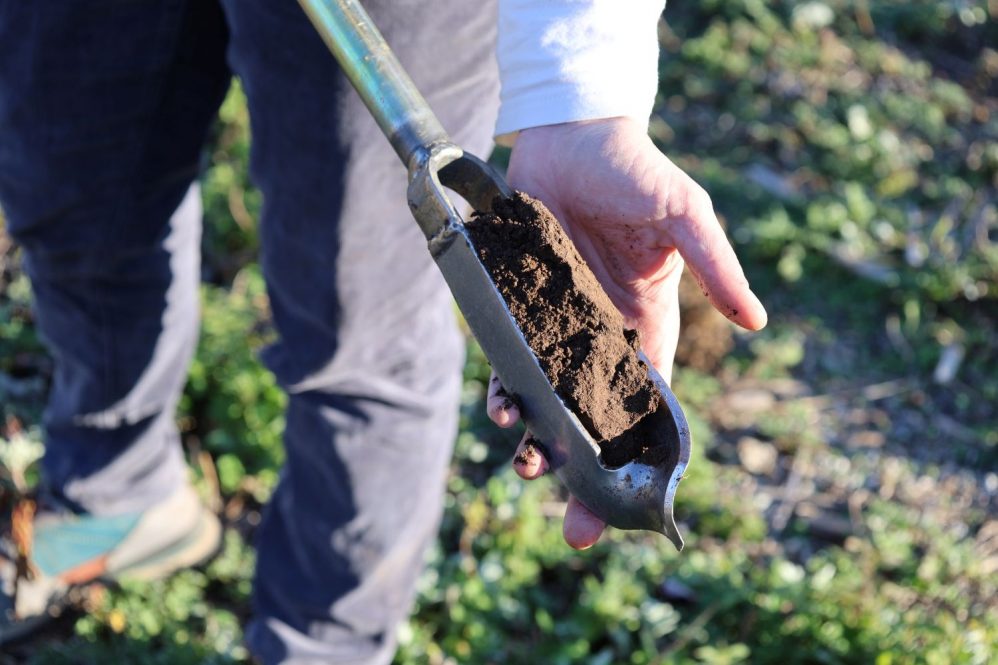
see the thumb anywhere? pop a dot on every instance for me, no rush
(658, 321)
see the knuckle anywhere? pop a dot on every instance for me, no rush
(700, 201)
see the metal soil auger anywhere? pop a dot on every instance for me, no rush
(634, 496)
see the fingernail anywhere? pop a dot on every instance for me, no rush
(762, 317)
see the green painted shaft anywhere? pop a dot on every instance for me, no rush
(389, 93)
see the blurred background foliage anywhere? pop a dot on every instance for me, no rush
(841, 503)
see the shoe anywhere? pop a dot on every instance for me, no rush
(65, 552)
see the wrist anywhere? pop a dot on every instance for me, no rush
(581, 139)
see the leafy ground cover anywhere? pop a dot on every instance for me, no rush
(841, 503)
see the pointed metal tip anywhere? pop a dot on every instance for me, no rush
(670, 531)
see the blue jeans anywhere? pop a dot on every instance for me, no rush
(104, 110)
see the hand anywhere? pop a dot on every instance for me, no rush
(634, 217)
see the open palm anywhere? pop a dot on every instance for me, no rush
(635, 217)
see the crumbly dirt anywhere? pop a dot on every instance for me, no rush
(575, 331)
(527, 454)
(707, 336)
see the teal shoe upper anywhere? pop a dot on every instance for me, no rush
(62, 545)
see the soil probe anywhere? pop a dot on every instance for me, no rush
(634, 496)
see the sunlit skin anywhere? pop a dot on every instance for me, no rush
(636, 218)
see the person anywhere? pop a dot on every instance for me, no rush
(104, 112)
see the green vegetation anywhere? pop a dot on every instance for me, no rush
(841, 503)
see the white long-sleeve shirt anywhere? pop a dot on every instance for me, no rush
(567, 60)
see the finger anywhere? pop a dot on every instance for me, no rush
(529, 462)
(581, 528)
(499, 406)
(701, 241)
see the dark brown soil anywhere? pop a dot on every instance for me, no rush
(707, 336)
(571, 325)
(528, 453)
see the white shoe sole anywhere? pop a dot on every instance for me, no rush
(193, 550)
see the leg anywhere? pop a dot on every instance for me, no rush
(369, 352)
(104, 108)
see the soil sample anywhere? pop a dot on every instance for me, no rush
(707, 336)
(574, 330)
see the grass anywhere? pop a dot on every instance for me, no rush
(841, 503)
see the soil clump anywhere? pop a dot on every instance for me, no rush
(576, 333)
(707, 336)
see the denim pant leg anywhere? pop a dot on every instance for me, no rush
(104, 107)
(368, 349)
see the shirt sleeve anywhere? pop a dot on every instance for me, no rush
(567, 60)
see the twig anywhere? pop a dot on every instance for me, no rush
(863, 18)
(237, 208)
(791, 493)
(6, 244)
(862, 267)
(688, 633)
(207, 465)
(871, 393)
